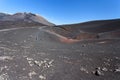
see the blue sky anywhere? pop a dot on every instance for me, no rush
(65, 11)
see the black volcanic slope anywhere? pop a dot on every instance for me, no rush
(91, 29)
(60, 53)
(95, 26)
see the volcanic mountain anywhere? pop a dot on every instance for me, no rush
(31, 48)
(22, 20)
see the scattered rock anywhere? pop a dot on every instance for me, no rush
(84, 70)
(104, 69)
(4, 76)
(32, 73)
(117, 70)
(6, 58)
(98, 72)
(83, 45)
(44, 63)
(30, 61)
(42, 77)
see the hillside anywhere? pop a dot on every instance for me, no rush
(91, 29)
(30, 50)
(22, 20)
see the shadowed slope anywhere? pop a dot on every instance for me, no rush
(99, 26)
(90, 30)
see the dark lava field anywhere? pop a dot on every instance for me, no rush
(84, 51)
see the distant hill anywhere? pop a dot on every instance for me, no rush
(91, 29)
(22, 20)
(94, 26)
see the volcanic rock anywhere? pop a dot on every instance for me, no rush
(62, 52)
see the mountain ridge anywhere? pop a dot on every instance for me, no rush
(27, 17)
